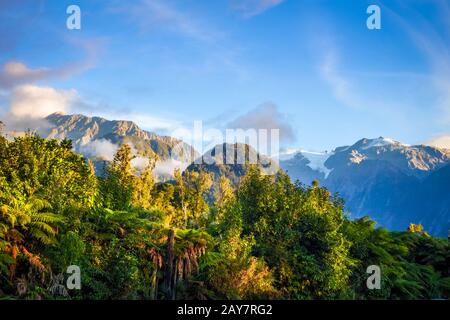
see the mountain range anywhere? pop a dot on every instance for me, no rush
(98, 139)
(393, 183)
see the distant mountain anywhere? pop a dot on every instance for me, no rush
(436, 188)
(393, 183)
(231, 160)
(305, 166)
(98, 139)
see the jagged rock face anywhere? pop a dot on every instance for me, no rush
(83, 130)
(412, 160)
(231, 160)
(386, 180)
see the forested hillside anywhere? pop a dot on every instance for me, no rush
(134, 238)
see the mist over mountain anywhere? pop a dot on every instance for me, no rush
(98, 139)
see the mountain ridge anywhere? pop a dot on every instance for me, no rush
(385, 179)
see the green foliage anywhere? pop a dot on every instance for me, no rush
(414, 265)
(117, 186)
(193, 238)
(298, 232)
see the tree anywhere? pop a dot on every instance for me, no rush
(143, 186)
(184, 249)
(38, 176)
(191, 189)
(23, 225)
(118, 185)
(415, 228)
(230, 270)
(224, 193)
(298, 232)
(31, 165)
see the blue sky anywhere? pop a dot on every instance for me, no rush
(310, 67)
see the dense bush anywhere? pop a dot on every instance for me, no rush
(134, 238)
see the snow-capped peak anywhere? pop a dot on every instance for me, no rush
(382, 142)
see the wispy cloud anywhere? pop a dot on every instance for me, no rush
(150, 14)
(17, 73)
(250, 8)
(339, 84)
(215, 51)
(14, 72)
(434, 43)
(358, 89)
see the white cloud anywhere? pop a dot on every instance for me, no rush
(139, 163)
(102, 149)
(266, 116)
(441, 141)
(32, 101)
(167, 168)
(24, 104)
(250, 8)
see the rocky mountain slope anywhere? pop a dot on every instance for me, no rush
(98, 139)
(231, 160)
(83, 130)
(391, 182)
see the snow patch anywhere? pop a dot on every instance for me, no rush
(317, 161)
